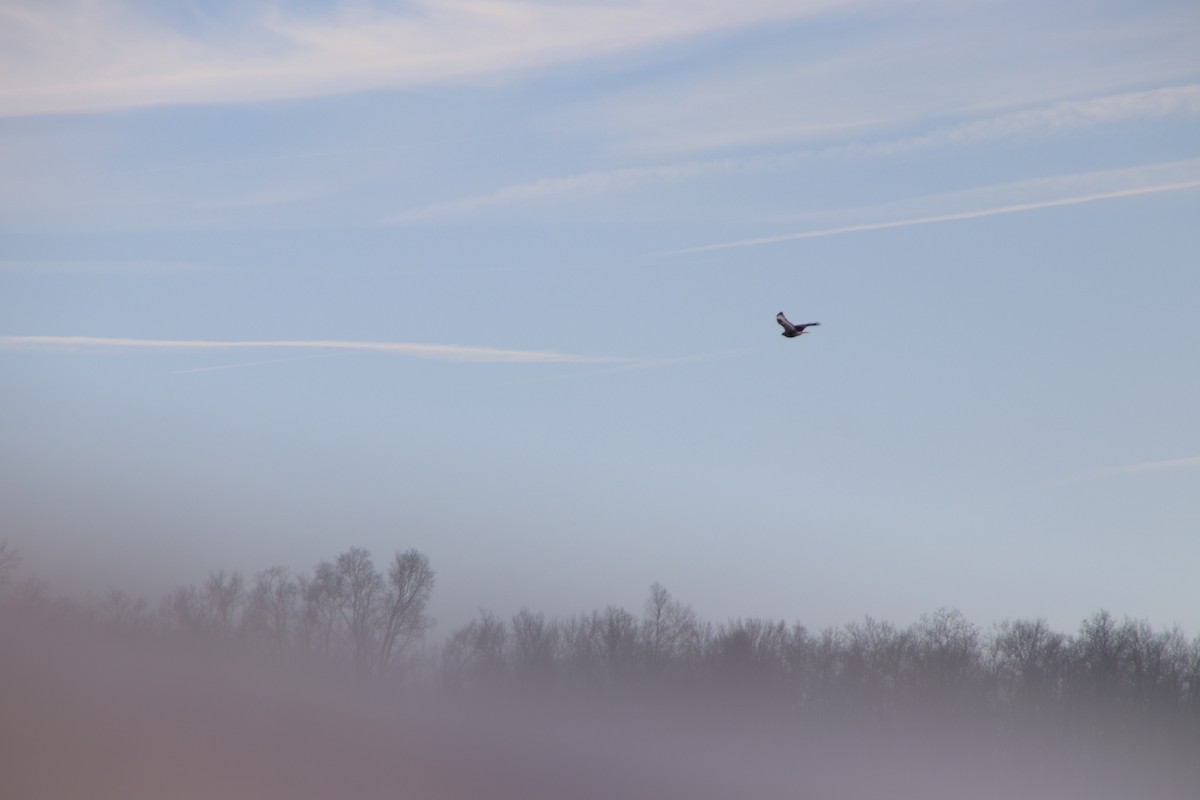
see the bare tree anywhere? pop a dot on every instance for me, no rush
(10, 559)
(359, 586)
(750, 651)
(1101, 651)
(319, 612)
(535, 647)
(224, 594)
(474, 654)
(947, 654)
(119, 611)
(182, 611)
(618, 630)
(876, 659)
(798, 658)
(1155, 659)
(1028, 660)
(1189, 665)
(272, 607)
(825, 657)
(580, 637)
(669, 630)
(410, 584)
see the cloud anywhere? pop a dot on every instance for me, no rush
(96, 55)
(582, 183)
(437, 352)
(1013, 208)
(1055, 119)
(1191, 462)
(1058, 119)
(926, 64)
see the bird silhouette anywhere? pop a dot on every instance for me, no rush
(790, 330)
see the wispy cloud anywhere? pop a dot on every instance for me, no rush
(437, 352)
(918, 66)
(1015, 208)
(579, 184)
(1058, 119)
(1190, 462)
(1055, 119)
(93, 55)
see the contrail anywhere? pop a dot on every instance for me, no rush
(903, 223)
(1190, 462)
(1140, 468)
(438, 352)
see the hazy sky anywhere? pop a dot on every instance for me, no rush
(497, 280)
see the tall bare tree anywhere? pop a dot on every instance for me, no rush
(750, 651)
(580, 641)
(876, 659)
(319, 611)
(272, 607)
(182, 611)
(359, 587)
(669, 630)
(224, 594)
(618, 631)
(535, 646)
(947, 648)
(1102, 651)
(1028, 660)
(475, 653)
(409, 585)
(120, 612)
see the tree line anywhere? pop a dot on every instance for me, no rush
(870, 666)
(348, 614)
(345, 613)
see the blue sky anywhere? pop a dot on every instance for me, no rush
(497, 280)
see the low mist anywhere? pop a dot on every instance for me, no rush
(331, 684)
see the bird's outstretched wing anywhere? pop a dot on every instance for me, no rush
(782, 320)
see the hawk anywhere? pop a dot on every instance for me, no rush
(790, 330)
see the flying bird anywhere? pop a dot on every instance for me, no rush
(790, 330)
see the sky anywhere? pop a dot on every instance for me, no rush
(496, 279)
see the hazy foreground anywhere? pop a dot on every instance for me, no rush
(86, 716)
(228, 691)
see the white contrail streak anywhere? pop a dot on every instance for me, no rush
(439, 352)
(1043, 121)
(1190, 462)
(904, 223)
